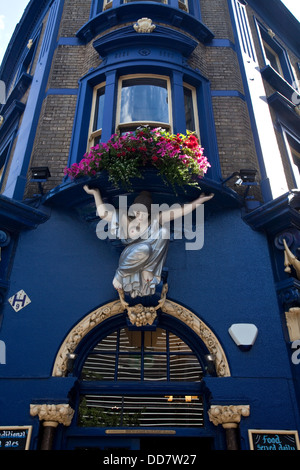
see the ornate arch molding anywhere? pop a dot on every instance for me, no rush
(111, 309)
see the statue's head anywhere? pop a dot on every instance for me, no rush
(142, 203)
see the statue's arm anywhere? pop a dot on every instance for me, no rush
(185, 209)
(102, 210)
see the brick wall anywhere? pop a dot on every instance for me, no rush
(219, 64)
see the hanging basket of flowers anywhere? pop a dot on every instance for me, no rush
(177, 158)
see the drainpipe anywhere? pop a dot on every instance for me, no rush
(229, 417)
(51, 416)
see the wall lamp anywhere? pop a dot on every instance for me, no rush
(40, 174)
(210, 364)
(70, 361)
(245, 177)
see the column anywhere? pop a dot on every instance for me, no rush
(229, 417)
(51, 416)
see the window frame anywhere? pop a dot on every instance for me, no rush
(267, 39)
(142, 351)
(93, 134)
(195, 109)
(128, 125)
(103, 5)
(268, 48)
(119, 126)
(288, 136)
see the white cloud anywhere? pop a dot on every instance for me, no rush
(2, 23)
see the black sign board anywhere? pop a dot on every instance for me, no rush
(261, 439)
(15, 437)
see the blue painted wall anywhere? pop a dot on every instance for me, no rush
(67, 272)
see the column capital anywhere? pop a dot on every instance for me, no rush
(229, 415)
(52, 414)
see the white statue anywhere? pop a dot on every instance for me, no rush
(146, 240)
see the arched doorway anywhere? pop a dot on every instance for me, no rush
(138, 384)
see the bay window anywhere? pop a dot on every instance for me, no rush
(144, 100)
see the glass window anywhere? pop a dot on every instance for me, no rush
(141, 411)
(97, 116)
(272, 58)
(144, 100)
(142, 355)
(183, 5)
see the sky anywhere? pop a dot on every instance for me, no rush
(11, 12)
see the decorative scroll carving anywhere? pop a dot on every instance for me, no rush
(139, 315)
(293, 323)
(202, 330)
(167, 306)
(144, 25)
(290, 260)
(59, 414)
(81, 330)
(228, 416)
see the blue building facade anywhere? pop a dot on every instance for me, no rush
(217, 367)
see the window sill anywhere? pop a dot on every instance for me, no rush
(133, 11)
(277, 82)
(285, 108)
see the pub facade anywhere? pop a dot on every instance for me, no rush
(189, 341)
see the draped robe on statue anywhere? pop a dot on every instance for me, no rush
(147, 253)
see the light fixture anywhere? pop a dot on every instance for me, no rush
(244, 177)
(210, 364)
(40, 174)
(70, 361)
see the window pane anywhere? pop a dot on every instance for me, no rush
(130, 340)
(155, 367)
(177, 345)
(107, 344)
(185, 368)
(189, 109)
(155, 340)
(144, 99)
(141, 411)
(99, 108)
(272, 58)
(129, 367)
(99, 367)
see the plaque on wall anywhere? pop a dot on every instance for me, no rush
(15, 437)
(262, 439)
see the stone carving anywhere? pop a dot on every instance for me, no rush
(53, 414)
(144, 25)
(81, 329)
(290, 260)
(139, 315)
(145, 235)
(228, 416)
(202, 330)
(114, 308)
(293, 323)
